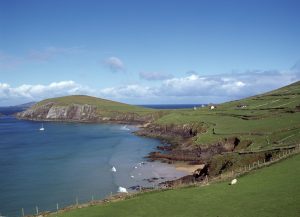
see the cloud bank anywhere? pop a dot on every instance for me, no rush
(26, 92)
(204, 89)
(187, 89)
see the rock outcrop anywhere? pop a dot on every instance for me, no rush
(171, 130)
(78, 112)
(51, 111)
(198, 176)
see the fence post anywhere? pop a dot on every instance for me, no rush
(23, 213)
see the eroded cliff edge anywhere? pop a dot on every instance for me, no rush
(52, 111)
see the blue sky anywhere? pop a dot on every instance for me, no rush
(147, 52)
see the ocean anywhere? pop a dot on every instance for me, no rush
(69, 162)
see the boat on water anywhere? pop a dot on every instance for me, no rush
(42, 128)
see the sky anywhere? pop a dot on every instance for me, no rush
(147, 51)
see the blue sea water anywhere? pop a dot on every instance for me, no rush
(69, 161)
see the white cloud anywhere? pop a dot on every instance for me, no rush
(204, 89)
(115, 64)
(227, 85)
(154, 76)
(27, 92)
(127, 91)
(187, 89)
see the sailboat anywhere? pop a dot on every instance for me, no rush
(42, 128)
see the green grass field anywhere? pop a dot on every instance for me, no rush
(271, 191)
(268, 120)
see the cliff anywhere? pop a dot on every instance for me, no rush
(86, 109)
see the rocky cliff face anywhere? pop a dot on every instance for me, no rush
(51, 111)
(76, 112)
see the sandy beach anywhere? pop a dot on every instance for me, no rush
(181, 166)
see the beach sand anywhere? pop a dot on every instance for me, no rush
(181, 166)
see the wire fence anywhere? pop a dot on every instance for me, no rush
(121, 196)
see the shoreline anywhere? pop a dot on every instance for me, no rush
(137, 128)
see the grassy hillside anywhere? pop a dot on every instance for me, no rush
(267, 120)
(102, 104)
(271, 191)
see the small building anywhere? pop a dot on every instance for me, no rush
(241, 106)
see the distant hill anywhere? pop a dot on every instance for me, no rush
(86, 108)
(25, 105)
(10, 110)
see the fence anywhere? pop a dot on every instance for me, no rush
(282, 154)
(115, 197)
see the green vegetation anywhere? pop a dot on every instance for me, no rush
(267, 120)
(103, 105)
(271, 191)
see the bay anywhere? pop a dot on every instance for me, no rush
(70, 161)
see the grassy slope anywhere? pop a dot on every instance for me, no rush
(102, 105)
(271, 191)
(272, 119)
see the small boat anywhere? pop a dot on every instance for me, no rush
(42, 128)
(113, 169)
